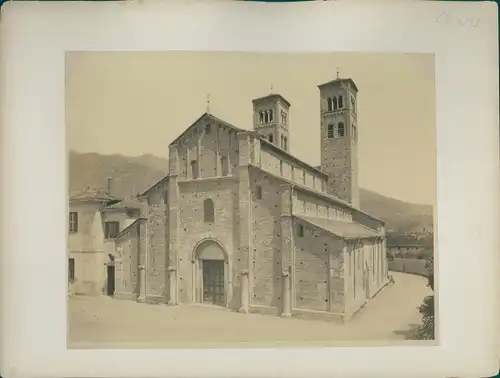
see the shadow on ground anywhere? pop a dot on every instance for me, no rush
(408, 333)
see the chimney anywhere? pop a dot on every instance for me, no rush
(110, 182)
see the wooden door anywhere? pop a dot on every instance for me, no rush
(213, 282)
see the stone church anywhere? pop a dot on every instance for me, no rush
(240, 222)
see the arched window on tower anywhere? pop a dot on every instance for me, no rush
(354, 132)
(335, 104)
(208, 210)
(330, 131)
(261, 117)
(282, 142)
(266, 117)
(194, 169)
(330, 104)
(285, 143)
(271, 116)
(341, 102)
(340, 130)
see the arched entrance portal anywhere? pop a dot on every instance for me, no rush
(211, 273)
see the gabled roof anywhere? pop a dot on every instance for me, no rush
(209, 117)
(131, 203)
(272, 96)
(154, 185)
(338, 81)
(345, 230)
(89, 194)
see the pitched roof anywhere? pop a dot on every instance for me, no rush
(270, 96)
(127, 203)
(211, 118)
(346, 230)
(335, 81)
(89, 194)
(154, 185)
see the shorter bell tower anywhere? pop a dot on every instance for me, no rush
(271, 119)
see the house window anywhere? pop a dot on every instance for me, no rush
(258, 192)
(224, 164)
(300, 230)
(111, 229)
(270, 138)
(330, 131)
(73, 221)
(208, 210)
(194, 169)
(285, 142)
(71, 269)
(340, 130)
(341, 102)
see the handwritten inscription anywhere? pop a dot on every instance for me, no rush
(446, 18)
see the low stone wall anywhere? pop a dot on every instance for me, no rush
(407, 265)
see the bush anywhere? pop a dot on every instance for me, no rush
(426, 330)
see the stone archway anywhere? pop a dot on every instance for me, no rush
(211, 273)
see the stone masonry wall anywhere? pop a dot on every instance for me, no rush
(266, 263)
(157, 238)
(318, 278)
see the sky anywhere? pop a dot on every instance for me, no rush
(135, 103)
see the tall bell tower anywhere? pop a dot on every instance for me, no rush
(339, 138)
(271, 119)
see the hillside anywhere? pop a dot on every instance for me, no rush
(132, 175)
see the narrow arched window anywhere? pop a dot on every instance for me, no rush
(208, 210)
(300, 231)
(282, 141)
(330, 131)
(341, 102)
(270, 116)
(258, 192)
(224, 165)
(335, 104)
(330, 104)
(340, 130)
(285, 143)
(266, 117)
(270, 137)
(194, 169)
(261, 116)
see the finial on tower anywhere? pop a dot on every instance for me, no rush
(208, 103)
(272, 88)
(338, 72)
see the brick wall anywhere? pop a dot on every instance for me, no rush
(319, 277)
(193, 229)
(157, 238)
(266, 263)
(126, 277)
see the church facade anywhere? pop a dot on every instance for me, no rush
(240, 222)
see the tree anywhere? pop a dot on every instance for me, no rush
(426, 330)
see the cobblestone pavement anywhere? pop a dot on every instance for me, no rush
(102, 322)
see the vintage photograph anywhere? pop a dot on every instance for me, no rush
(220, 199)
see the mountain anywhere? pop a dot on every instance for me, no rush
(132, 175)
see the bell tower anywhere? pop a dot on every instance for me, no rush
(339, 138)
(271, 119)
